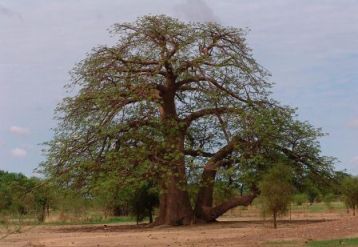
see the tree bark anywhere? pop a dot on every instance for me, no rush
(174, 204)
(204, 202)
(205, 196)
(212, 213)
(175, 208)
(275, 219)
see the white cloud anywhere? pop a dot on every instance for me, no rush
(19, 130)
(18, 152)
(197, 10)
(355, 160)
(353, 124)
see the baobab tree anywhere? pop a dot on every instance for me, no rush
(171, 100)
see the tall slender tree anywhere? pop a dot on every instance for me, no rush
(171, 100)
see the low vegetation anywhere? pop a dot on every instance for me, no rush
(350, 193)
(34, 201)
(276, 191)
(348, 242)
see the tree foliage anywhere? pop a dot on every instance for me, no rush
(276, 189)
(350, 192)
(20, 195)
(181, 104)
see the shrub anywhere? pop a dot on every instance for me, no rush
(276, 191)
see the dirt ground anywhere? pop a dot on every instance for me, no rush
(225, 233)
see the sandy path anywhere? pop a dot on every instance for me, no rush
(220, 234)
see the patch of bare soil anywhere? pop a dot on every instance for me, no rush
(240, 233)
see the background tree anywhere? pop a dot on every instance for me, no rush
(276, 190)
(312, 190)
(300, 198)
(16, 194)
(20, 195)
(350, 193)
(44, 196)
(179, 104)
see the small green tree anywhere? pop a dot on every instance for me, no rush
(350, 192)
(276, 191)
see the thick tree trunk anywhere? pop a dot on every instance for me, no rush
(174, 205)
(205, 196)
(174, 208)
(204, 210)
(204, 202)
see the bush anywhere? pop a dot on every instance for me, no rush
(143, 202)
(300, 199)
(328, 199)
(276, 191)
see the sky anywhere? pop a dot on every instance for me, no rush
(309, 46)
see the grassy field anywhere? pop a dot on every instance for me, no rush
(297, 210)
(334, 243)
(97, 217)
(95, 220)
(348, 242)
(320, 207)
(242, 225)
(304, 233)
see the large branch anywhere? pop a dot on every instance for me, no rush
(209, 111)
(150, 71)
(196, 153)
(205, 195)
(229, 92)
(189, 80)
(214, 82)
(212, 214)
